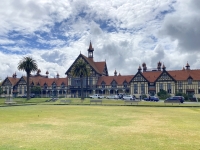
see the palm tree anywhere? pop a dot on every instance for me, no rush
(28, 64)
(81, 70)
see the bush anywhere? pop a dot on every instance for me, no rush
(163, 94)
(184, 95)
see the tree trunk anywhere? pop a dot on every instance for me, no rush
(82, 97)
(28, 89)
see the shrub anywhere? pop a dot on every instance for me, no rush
(163, 94)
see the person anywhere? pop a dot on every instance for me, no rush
(140, 97)
(149, 98)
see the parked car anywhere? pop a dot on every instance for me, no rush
(31, 96)
(120, 95)
(152, 98)
(128, 97)
(96, 96)
(112, 97)
(181, 98)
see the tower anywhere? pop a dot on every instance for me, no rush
(159, 66)
(90, 51)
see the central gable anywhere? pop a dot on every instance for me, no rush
(139, 78)
(165, 77)
(99, 68)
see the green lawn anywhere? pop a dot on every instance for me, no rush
(85, 127)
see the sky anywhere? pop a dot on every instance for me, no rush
(125, 33)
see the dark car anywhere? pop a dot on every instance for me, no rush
(31, 96)
(152, 98)
(180, 98)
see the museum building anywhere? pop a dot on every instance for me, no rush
(145, 81)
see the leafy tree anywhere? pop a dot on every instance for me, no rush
(1, 91)
(28, 65)
(36, 89)
(182, 94)
(163, 94)
(81, 70)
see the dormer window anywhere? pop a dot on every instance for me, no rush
(114, 84)
(63, 86)
(125, 84)
(103, 85)
(189, 81)
(54, 86)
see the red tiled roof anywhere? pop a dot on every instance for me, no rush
(185, 74)
(119, 79)
(97, 66)
(13, 80)
(151, 76)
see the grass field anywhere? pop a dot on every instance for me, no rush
(85, 127)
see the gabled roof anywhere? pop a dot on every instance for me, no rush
(97, 66)
(151, 76)
(180, 75)
(12, 80)
(119, 79)
(42, 80)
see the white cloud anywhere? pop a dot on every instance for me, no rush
(124, 33)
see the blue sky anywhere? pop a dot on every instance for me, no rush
(125, 33)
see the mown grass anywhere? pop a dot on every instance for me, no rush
(87, 127)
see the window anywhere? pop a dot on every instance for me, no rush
(142, 89)
(54, 86)
(180, 91)
(63, 86)
(180, 84)
(199, 83)
(103, 85)
(125, 85)
(135, 89)
(169, 87)
(161, 86)
(199, 91)
(114, 84)
(190, 81)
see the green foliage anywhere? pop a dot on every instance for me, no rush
(183, 94)
(163, 94)
(81, 70)
(1, 90)
(36, 90)
(27, 64)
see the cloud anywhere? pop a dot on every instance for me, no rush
(184, 27)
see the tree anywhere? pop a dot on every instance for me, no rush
(28, 65)
(1, 91)
(36, 90)
(163, 94)
(81, 70)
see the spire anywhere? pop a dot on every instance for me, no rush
(57, 75)
(139, 68)
(187, 66)
(144, 67)
(90, 51)
(90, 47)
(163, 67)
(115, 73)
(47, 73)
(159, 66)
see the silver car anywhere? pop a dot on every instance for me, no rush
(128, 97)
(112, 97)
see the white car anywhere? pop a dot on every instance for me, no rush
(128, 97)
(112, 97)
